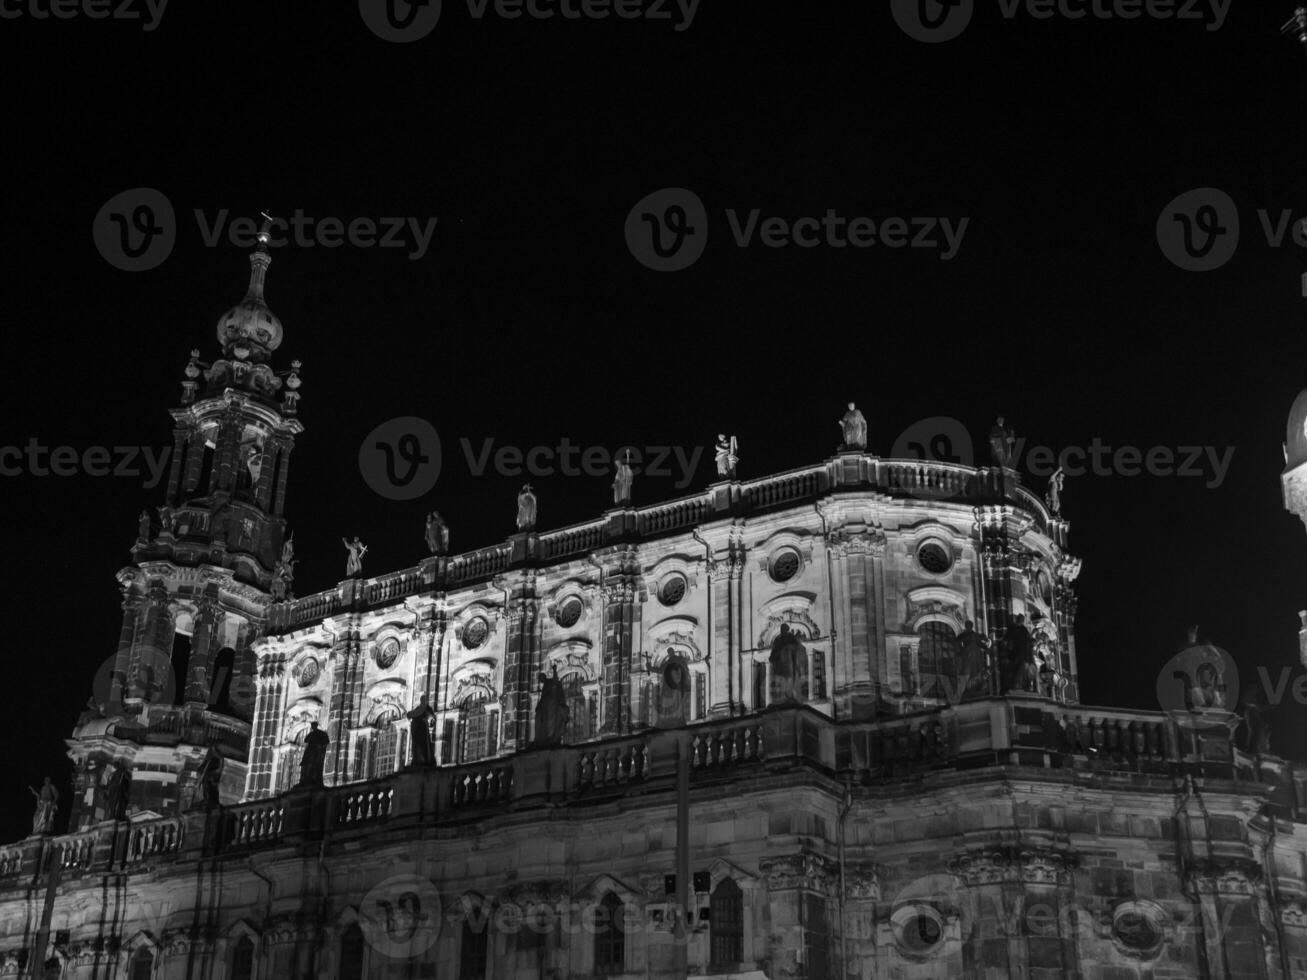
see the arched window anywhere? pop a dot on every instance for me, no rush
(224, 668)
(474, 948)
(242, 960)
(936, 652)
(726, 924)
(142, 964)
(578, 718)
(351, 953)
(610, 940)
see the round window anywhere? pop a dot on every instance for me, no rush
(1137, 928)
(918, 929)
(475, 633)
(569, 613)
(672, 590)
(934, 558)
(309, 671)
(785, 566)
(387, 653)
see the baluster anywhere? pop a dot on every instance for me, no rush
(1154, 731)
(695, 758)
(1138, 743)
(1096, 727)
(1114, 737)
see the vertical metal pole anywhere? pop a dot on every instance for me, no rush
(683, 857)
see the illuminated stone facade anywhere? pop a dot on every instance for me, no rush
(884, 811)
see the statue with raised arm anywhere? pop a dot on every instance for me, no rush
(419, 732)
(1054, 496)
(526, 509)
(552, 713)
(354, 563)
(47, 804)
(437, 534)
(854, 427)
(315, 754)
(727, 456)
(1002, 443)
(623, 480)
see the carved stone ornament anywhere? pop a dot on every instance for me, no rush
(846, 542)
(1232, 876)
(803, 870)
(863, 882)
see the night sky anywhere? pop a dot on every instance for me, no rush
(529, 319)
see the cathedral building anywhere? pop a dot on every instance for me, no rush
(820, 724)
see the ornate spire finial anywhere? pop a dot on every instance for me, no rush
(265, 233)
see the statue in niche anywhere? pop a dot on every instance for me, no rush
(552, 713)
(253, 461)
(854, 427)
(1022, 674)
(143, 529)
(674, 693)
(315, 754)
(972, 673)
(419, 729)
(788, 661)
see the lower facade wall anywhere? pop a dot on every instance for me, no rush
(982, 879)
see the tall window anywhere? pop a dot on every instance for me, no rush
(610, 941)
(242, 960)
(181, 658)
(578, 719)
(142, 964)
(818, 674)
(700, 695)
(290, 765)
(814, 937)
(936, 652)
(759, 686)
(351, 953)
(478, 731)
(447, 742)
(473, 950)
(386, 740)
(224, 668)
(726, 923)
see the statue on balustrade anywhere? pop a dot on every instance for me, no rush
(419, 732)
(211, 776)
(526, 509)
(118, 792)
(315, 754)
(1255, 724)
(854, 427)
(47, 805)
(1002, 444)
(623, 480)
(437, 534)
(1054, 495)
(354, 563)
(1023, 673)
(143, 532)
(727, 456)
(674, 693)
(789, 662)
(552, 713)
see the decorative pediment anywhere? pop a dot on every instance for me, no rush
(682, 644)
(793, 610)
(383, 708)
(602, 885)
(936, 604)
(571, 657)
(856, 540)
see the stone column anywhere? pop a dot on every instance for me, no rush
(520, 669)
(619, 604)
(857, 560)
(346, 697)
(179, 435)
(228, 445)
(194, 462)
(726, 575)
(267, 472)
(799, 887)
(1229, 923)
(119, 678)
(268, 707)
(283, 477)
(199, 671)
(153, 650)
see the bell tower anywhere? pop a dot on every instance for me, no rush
(202, 577)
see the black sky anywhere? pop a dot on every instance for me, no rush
(530, 320)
